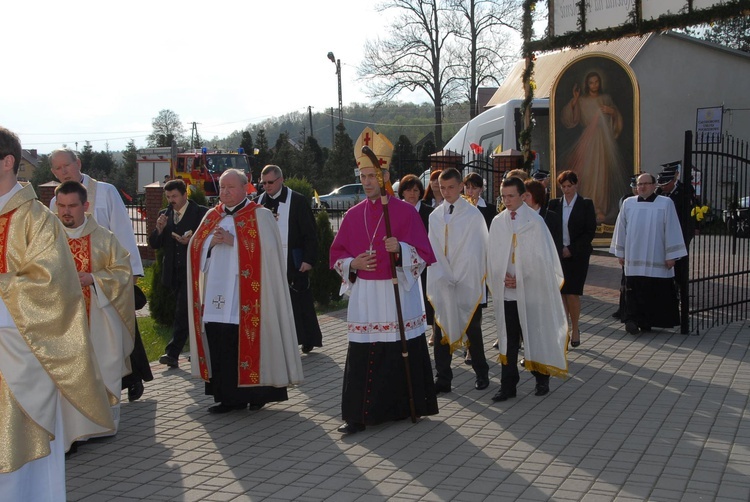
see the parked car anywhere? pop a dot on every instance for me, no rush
(343, 197)
(738, 219)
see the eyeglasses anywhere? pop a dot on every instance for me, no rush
(269, 182)
(645, 183)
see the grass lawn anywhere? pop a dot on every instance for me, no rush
(155, 337)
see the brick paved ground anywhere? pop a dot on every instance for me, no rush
(662, 416)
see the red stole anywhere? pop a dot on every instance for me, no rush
(4, 231)
(248, 250)
(81, 249)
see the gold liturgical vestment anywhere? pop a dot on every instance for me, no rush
(47, 355)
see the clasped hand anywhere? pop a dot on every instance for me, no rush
(222, 236)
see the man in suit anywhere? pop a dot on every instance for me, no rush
(174, 227)
(299, 239)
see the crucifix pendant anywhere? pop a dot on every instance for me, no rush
(370, 251)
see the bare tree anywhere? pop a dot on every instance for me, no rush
(414, 57)
(167, 127)
(484, 50)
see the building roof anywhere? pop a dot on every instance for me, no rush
(548, 66)
(31, 157)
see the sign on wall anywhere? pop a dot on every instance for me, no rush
(708, 124)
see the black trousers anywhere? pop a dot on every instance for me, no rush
(509, 376)
(223, 344)
(444, 373)
(180, 329)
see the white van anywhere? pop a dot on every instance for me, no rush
(501, 126)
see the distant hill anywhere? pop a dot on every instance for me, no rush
(392, 119)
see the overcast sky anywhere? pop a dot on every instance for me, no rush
(100, 71)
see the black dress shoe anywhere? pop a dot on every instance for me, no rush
(632, 328)
(225, 408)
(306, 349)
(170, 361)
(617, 315)
(255, 407)
(441, 387)
(541, 390)
(482, 383)
(503, 395)
(348, 428)
(135, 391)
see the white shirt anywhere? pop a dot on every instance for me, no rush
(567, 208)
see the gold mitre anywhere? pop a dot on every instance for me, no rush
(378, 143)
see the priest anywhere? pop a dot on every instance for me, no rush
(51, 392)
(375, 385)
(242, 337)
(648, 241)
(106, 280)
(107, 208)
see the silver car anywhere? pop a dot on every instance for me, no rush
(343, 197)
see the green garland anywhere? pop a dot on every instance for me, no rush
(524, 138)
(636, 25)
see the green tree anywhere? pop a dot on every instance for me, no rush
(87, 157)
(102, 166)
(264, 152)
(166, 128)
(126, 177)
(311, 161)
(339, 168)
(300, 185)
(247, 142)
(325, 282)
(42, 173)
(286, 155)
(403, 160)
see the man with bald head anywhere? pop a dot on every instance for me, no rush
(242, 337)
(648, 241)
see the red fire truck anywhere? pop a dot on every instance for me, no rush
(201, 168)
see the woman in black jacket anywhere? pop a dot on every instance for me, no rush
(578, 221)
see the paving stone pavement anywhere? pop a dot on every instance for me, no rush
(661, 416)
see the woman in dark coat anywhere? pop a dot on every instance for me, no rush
(432, 196)
(473, 188)
(410, 190)
(578, 221)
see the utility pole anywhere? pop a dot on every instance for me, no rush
(193, 135)
(337, 62)
(309, 114)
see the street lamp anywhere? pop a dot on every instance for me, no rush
(337, 62)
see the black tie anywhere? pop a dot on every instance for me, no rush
(450, 209)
